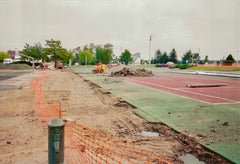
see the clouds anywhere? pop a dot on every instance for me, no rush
(213, 26)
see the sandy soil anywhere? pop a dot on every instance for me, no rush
(24, 139)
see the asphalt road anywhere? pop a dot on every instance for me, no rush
(8, 75)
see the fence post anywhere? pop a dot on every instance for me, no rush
(56, 141)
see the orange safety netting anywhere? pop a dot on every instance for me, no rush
(83, 145)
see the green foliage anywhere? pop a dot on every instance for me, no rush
(3, 55)
(196, 56)
(182, 66)
(229, 59)
(54, 48)
(108, 46)
(85, 55)
(23, 62)
(35, 51)
(216, 68)
(164, 58)
(187, 56)
(103, 55)
(206, 59)
(158, 65)
(173, 56)
(57, 52)
(126, 57)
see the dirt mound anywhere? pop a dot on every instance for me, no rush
(129, 72)
(15, 66)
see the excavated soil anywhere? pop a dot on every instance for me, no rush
(24, 139)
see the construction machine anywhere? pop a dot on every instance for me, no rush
(99, 68)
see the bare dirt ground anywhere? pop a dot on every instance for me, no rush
(24, 139)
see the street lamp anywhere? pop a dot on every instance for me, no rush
(150, 39)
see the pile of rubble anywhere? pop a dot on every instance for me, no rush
(132, 72)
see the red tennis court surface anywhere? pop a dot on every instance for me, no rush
(177, 85)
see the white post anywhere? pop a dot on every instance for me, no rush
(150, 39)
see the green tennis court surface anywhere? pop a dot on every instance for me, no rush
(182, 114)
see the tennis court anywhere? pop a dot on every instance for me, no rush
(229, 93)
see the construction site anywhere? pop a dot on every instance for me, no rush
(123, 114)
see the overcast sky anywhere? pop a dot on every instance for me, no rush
(213, 26)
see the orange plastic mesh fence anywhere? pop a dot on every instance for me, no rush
(95, 147)
(46, 111)
(84, 145)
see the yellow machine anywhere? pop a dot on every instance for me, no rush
(100, 68)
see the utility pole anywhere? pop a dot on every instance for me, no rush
(150, 39)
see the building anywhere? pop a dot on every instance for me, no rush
(15, 54)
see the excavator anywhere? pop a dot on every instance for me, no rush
(100, 68)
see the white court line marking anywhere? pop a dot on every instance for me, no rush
(224, 81)
(189, 92)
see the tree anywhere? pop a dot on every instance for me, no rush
(53, 48)
(206, 59)
(3, 55)
(103, 55)
(108, 46)
(56, 51)
(65, 55)
(187, 56)
(229, 59)
(158, 54)
(173, 56)
(126, 57)
(35, 51)
(164, 58)
(85, 57)
(76, 52)
(196, 56)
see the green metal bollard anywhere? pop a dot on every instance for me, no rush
(56, 141)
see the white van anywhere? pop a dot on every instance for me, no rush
(7, 61)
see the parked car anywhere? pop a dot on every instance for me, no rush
(7, 61)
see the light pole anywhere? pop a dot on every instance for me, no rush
(150, 39)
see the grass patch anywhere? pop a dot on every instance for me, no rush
(216, 68)
(83, 67)
(15, 66)
(146, 66)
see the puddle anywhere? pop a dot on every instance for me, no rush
(149, 134)
(190, 159)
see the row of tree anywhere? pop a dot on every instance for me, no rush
(90, 54)
(53, 51)
(172, 57)
(93, 54)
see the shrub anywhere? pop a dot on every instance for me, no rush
(227, 61)
(182, 66)
(158, 65)
(22, 62)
